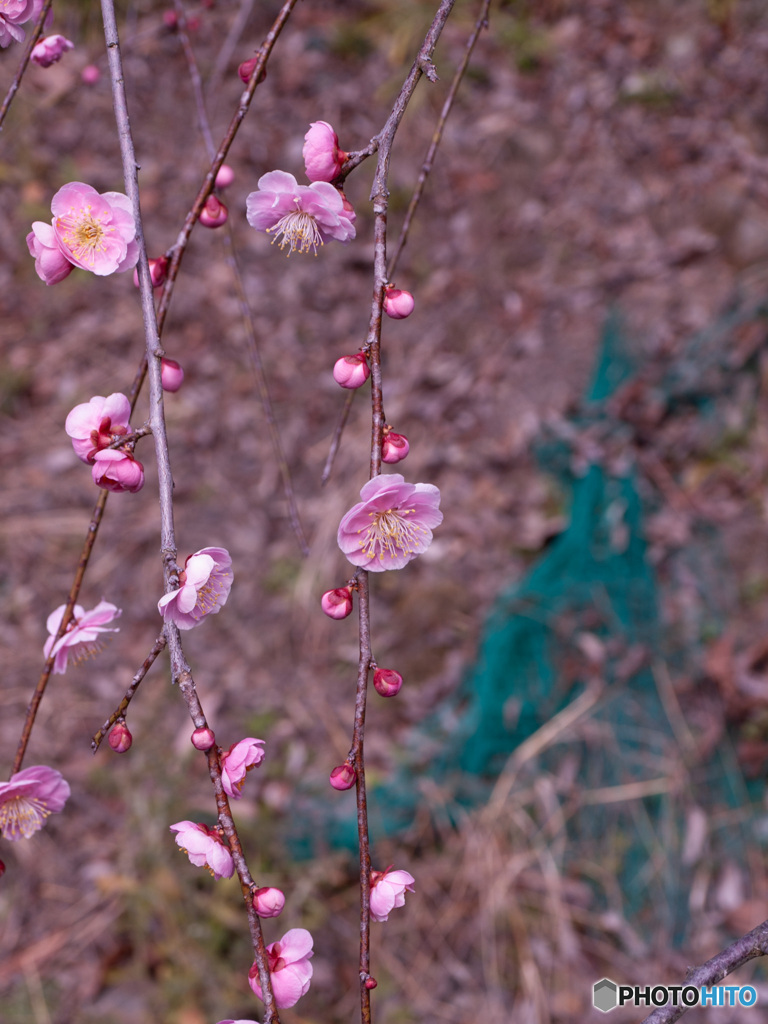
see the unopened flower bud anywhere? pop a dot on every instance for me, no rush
(120, 738)
(394, 447)
(398, 303)
(343, 776)
(337, 604)
(171, 374)
(246, 70)
(268, 902)
(158, 270)
(387, 682)
(225, 176)
(203, 738)
(171, 20)
(214, 213)
(90, 74)
(2, 868)
(370, 983)
(351, 371)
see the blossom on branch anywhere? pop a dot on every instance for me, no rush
(14, 13)
(289, 967)
(28, 798)
(204, 847)
(238, 760)
(391, 525)
(268, 902)
(94, 425)
(50, 50)
(117, 471)
(301, 216)
(388, 889)
(322, 157)
(82, 638)
(204, 585)
(51, 264)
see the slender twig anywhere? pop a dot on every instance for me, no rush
(749, 946)
(336, 439)
(228, 46)
(24, 62)
(122, 707)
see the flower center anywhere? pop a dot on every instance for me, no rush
(22, 816)
(299, 231)
(82, 233)
(208, 596)
(390, 532)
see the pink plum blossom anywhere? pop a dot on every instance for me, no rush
(239, 759)
(388, 889)
(14, 13)
(95, 232)
(28, 798)
(94, 424)
(398, 304)
(117, 471)
(51, 264)
(204, 847)
(322, 157)
(268, 902)
(337, 604)
(50, 50)
(301, 216)
(351, 371)
(81, 639)
(289, 967)
(391, 525)
(204, 585)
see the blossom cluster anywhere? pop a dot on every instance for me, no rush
(95, 426)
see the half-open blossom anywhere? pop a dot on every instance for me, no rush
(387, 682)
(82, 638)
(388, 889)
(394, 447)
(204, 847)
(214, 213)
(14, 13)
(398, 304)
(289, 967)
(322, 157)
(28, 798)
(51, 264)
(93, 425)
(337, 604)
(343, 776)
(268, 902)
(171, 374)
(302, 217)
(204, 585)
(238, 760)
(351, 371)
(116, 470)
(391, 525)
(50, 50)
(95, 232)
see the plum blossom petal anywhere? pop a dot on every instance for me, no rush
(14, 13)
(82, 638)
(301, 216)
(92, 425)
(388, 889)
(289, 967)
(391, 525)
(204, 847)
(239, 759)
(205, 582)
(51, 264)
(28, 798)
(117, 471)
(95, 232)
(50, 50)
(323, 159)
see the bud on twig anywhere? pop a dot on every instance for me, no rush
(120, 738)
(343, 776)
(337, 604)
(387, 682)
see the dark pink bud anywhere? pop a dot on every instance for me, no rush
(351, 371)
(394, 447)
(397, 303)
(337, 604)
(2, 868)
(171, 374)
(225, 176)
(246, 70)
(120, 738)
(90, 74)
(214, 213)
(158, 271)
(387, 682)
(343, 776)
(370, 983)
(268, 902)
(170, 20)
(203, 738)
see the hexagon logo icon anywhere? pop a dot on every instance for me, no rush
(605, 995)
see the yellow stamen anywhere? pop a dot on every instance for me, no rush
(299, 231)
(22, 815)
(391, 534)
(83, 233)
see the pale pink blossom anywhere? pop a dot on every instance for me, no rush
(93, 425)
(289, 967)
(171, 374)
(14, 13)
(117, 470)
(51, 264)
(28, 798)
(351, 371)
(398, 304)
(239, 759)
(50, 50)
(391, 525)
(343, 776)
(337, 604)
(82, 638)
(322, 157)
(268, 902)
(95, 232)
(301, 216)
(388, 889)
(394, 447)
(204, 847)
(204, 585)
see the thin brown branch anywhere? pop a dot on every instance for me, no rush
(122, 707)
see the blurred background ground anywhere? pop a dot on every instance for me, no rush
(601, 155)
